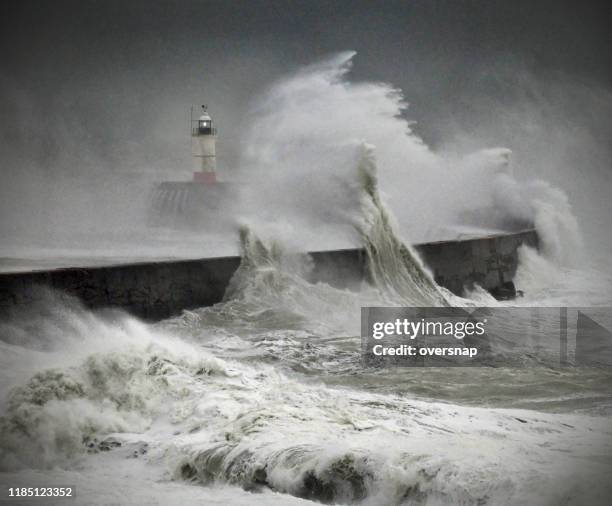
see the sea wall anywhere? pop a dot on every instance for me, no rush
(490, 261)
(156, 290)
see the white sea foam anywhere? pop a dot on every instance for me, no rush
(194, 417)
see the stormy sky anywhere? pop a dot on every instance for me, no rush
(110, 82)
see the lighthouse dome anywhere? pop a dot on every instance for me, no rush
(205, 125)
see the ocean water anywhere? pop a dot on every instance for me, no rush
(262, 399)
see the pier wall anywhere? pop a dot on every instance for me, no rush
(156, 290)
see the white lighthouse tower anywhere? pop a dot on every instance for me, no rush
(203, 140)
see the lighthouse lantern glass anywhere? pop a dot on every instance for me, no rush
(205, 126)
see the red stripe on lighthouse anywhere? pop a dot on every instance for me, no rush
(205, 177)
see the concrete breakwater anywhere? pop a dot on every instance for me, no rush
(155, 290)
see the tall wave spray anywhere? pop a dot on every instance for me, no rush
(267, 275)
(272, 287)
(301, 152)
(260, 266)
(393, 266)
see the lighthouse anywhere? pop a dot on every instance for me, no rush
(195, 204)
(203, 140)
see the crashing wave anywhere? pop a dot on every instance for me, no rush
(393, 266)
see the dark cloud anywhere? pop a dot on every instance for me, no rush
(115, 76)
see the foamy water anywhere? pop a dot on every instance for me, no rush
(262, 399)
